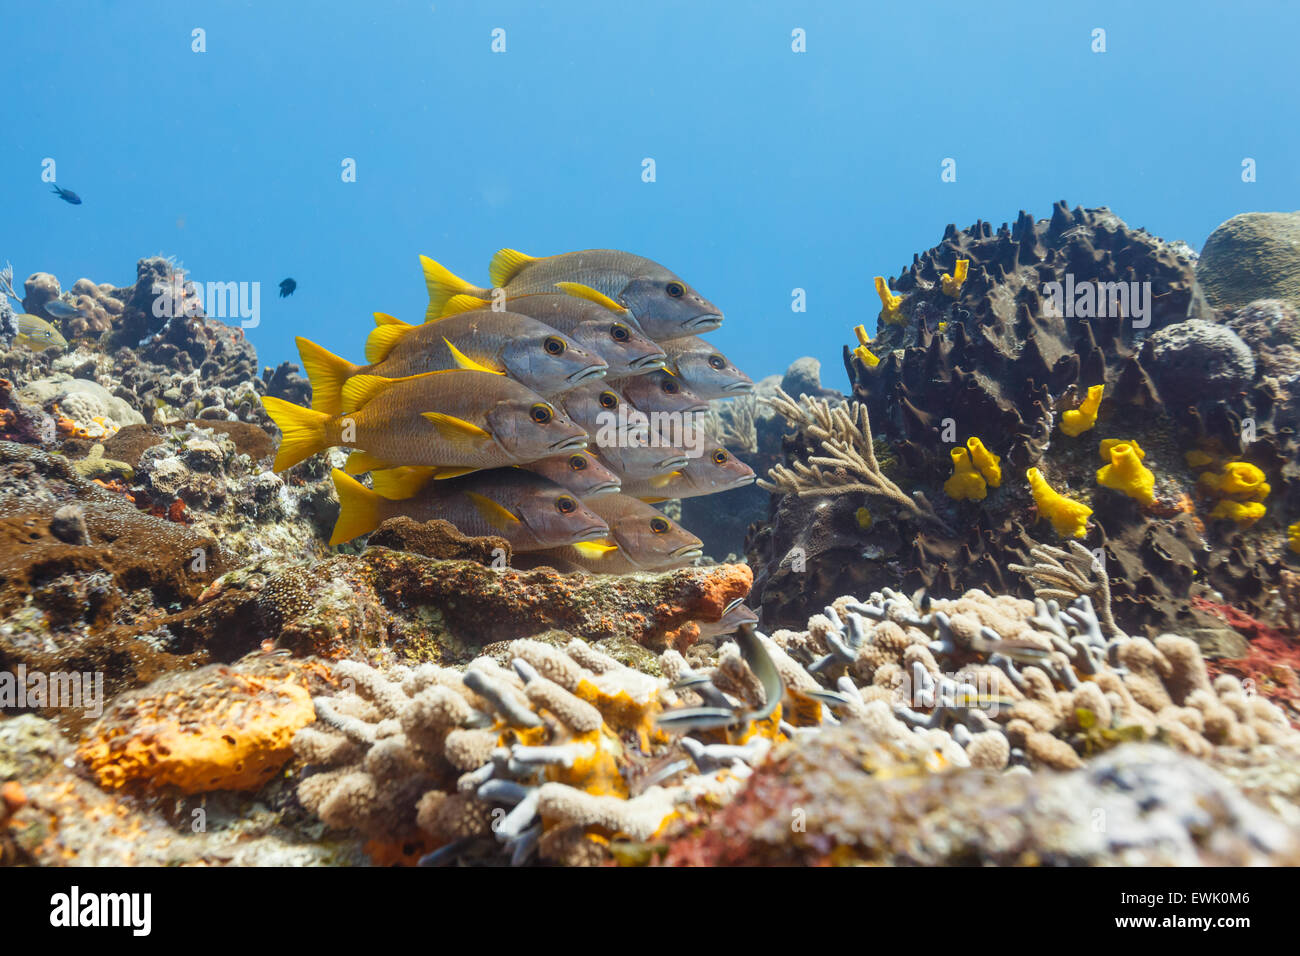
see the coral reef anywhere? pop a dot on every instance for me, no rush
(1252, 256)
(1064, 329)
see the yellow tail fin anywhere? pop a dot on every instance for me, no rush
(507, 264)
(383, 339)
(443, 284)
(327, 372)
(303, 431)
(360, 509)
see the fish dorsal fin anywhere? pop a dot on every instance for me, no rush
(593, 549)
(507, 264)
(459, 304)
(580, 291)
(464, 361)
(456, 430)
(494, 513)
(383, 318)
(658, 481)
(404, 482)
(383, 339)
(360, 389)
(360, 462)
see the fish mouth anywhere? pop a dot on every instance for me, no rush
(704, 323)
(738, 388)
(587, 374)
(591, 534)
(741, 482)
(566, 445)
(687, 551)
(605, 488)
(648, 363)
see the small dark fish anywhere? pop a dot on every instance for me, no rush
(60, 309)
(286, 287)
(67, 195)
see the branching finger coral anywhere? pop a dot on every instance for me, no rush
(848, 461)
(1062, 576)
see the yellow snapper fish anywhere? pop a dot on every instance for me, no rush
(640, 539)
(37, 334)
(716, 470)
(663, 305)
(452, 419)
(596, 408)
(530, 512)
(577, 472)
(594, 321)
(533, 354)
(704, 370)
(661, 391)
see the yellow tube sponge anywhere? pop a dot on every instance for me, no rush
(1244, 513)
(1243, 479)
(1079, 420)
(987, 463)
(862, 352)
(890, 312)
(1068, 517)
(1126, 472)
(965, 482)
(1108, 443)
(1293, 537)
(952, 283)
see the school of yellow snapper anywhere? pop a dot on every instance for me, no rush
(553, 409)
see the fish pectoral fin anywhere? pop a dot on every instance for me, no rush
(580, 291)
(654, 501)
(658, 481)
(360, 462)
(459, 304)
(507, 264)
(494, 513)
(456, 430)
(593, 549)
(464, 361)
(384, 339)
(399, 483)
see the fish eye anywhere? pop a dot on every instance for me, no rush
(565, 505)
(670, 386)
(717, 361)
(577, 463)
(659, 525)
(675, 290)
(541, 413)
(620, 333)
(719, 456)
(554, 345)
(608, 400)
